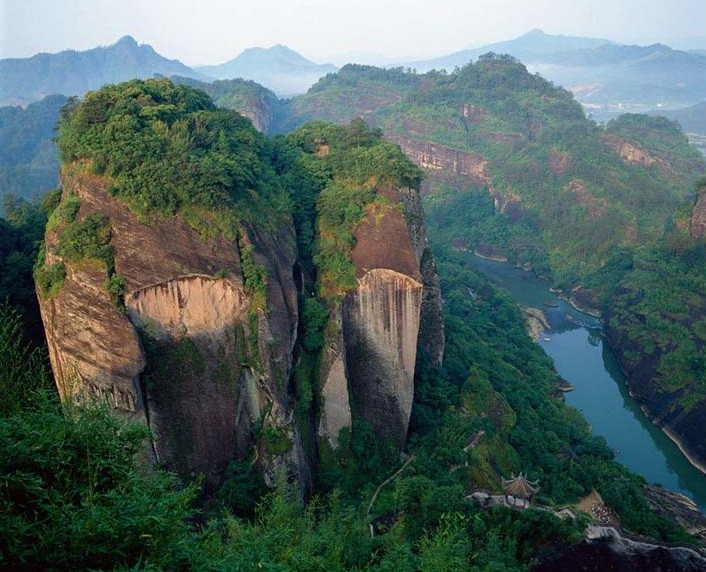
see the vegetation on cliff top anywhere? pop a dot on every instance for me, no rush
(166, 148)
(346, 166)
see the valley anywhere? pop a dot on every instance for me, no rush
(277, 303)
(579, 350)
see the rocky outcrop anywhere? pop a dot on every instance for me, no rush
(698, 215)
(633, 154)
(676, 508)
(462, 169)
(92, 346)
(446, 164)
(431, 324)
(335, 396)
(193, 354)
(664, 408)
(605, 548)
(375, 330)
(381, 325)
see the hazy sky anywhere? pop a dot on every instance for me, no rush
(213, 31)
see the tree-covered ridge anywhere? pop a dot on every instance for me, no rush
(656, 312)
(345, 167)
(167, 148)
(28, 162)
(571, 199)
(354, 91)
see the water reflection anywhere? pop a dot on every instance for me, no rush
(576, 344)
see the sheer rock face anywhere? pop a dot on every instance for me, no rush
(698, 216)
(371, 349)
(92, 346)
(447, 165)
(336, 411)
(381, 324)
(191, 356)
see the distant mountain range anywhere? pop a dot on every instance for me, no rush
(608, 78)
(23, 80)
(532, 46)
(692, 119)
(278, 68)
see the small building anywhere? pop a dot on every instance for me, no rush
(519, 491)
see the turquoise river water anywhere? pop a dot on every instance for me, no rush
(576, 344)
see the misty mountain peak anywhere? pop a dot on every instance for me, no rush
(126, 41)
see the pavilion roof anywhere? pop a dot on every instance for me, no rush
(520, 487)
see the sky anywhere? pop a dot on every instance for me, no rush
(214, 31)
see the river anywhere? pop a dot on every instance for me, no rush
(582, 357)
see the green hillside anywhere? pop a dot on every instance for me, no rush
(514, 169)
(570, 199)
(29, 166)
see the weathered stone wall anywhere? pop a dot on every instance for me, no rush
(381, 325)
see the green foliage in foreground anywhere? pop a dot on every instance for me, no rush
(73, 496)
(21, 237)
(24, 369)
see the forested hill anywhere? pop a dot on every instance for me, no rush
(514, 169)
(608, 76)
(29, 166)
(572, 192)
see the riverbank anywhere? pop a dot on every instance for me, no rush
(535, 321)
(582, 357)
(675, 439)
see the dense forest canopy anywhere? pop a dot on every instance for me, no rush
(28, 156)
(167, 147)
(575, 198)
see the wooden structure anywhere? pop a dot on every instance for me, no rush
(519, 491)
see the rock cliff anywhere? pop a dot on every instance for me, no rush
(192, 354)
(375, 330)
(173, 273)
(698, 216)
(447, 165)
(664, 407)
